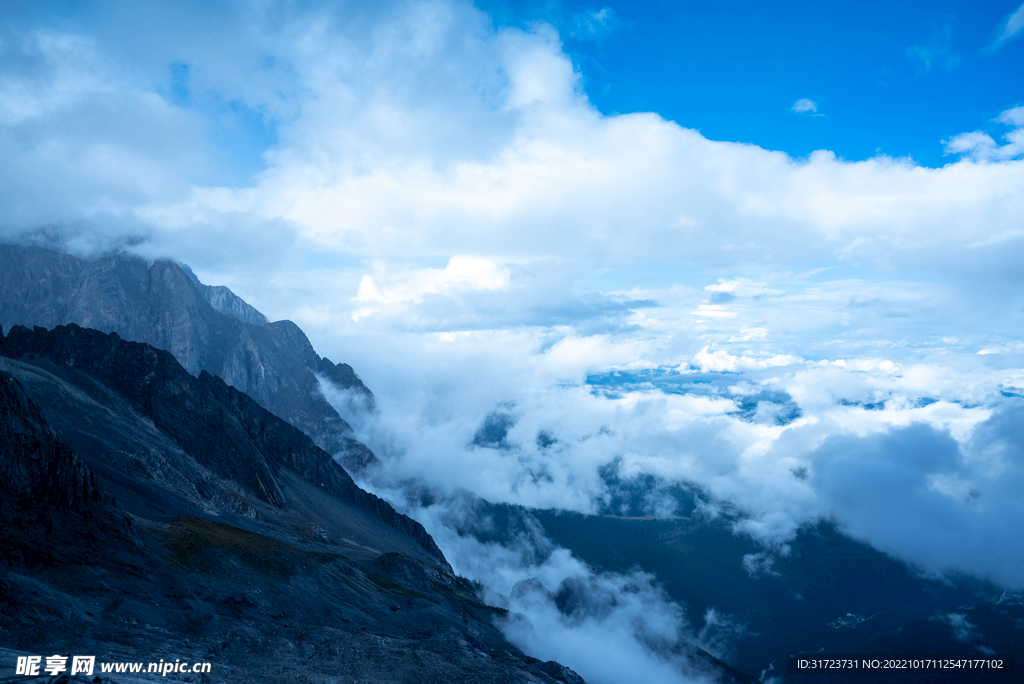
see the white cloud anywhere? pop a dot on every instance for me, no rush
(79, 142)
(1010, 28)
(1015, 347)
(720, 360)
(714, 311)
(1013, 117)
(981, 147)
(622, 627)
(425, 133)
(805, 106)
(594, 25)
(463, 273)
(857, 419)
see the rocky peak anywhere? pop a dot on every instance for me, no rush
(226, 302)
(206, 329)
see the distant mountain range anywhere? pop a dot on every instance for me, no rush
(206, 328)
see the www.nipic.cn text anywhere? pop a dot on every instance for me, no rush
(34, 666)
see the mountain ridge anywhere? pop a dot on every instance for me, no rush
(246, 447)
(206, 328)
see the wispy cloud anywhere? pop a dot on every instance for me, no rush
(1009, 28)
(805, 106)
(937, 50)
(594, 25)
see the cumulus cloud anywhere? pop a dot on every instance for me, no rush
(461, 273)
(721, 360)
(981, 147)
(915, 493)
(80, 143)
(419, 132)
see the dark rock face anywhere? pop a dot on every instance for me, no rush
(52, 508)
(147, 513)
(38, 472)
(205, 328)
(219, 427)
(45, 489)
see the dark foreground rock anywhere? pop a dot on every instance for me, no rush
(149, 514)
(217, 426)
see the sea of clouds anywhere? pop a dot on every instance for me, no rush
(434, 200)
(919, 457)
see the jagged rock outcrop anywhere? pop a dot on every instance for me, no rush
(227, 302)
(206, 328)
(38, 472)
(48, 497)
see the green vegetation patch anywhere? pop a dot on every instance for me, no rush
(192, 539)
(503, 612)
(393, 587)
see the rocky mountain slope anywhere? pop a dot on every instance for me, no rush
(151, 514)
(206, 329)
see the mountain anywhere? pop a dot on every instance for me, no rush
(206, 328)
(148, 513)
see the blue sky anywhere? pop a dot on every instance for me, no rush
(891, 78)
(480, 206)
(884, 78)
